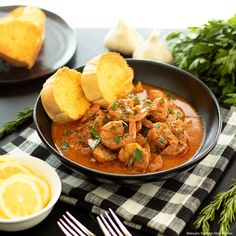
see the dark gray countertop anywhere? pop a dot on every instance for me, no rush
(16, 97)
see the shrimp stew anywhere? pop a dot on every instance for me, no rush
(148, 130)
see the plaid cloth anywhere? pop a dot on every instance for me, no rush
(158, 208)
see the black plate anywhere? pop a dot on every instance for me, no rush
(58, 48)
(161, 75)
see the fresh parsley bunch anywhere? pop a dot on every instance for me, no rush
(209, 53)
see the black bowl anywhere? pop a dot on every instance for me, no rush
(161, 75)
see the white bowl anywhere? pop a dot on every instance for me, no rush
(44, 170)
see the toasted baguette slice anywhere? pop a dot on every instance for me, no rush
(106, 77)
(22, 35)
(62, 96)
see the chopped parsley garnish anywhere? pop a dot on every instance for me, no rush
(127, 110)
(105, 118)
(146, 103)
(161, 100)
(161, 139)
(64, 145)
(96, 122)
(93, 143)
(117, 139)
(65, 132)
(169, 94)
(138, 155)
(114, 106)
(94, 133)
(121, 117)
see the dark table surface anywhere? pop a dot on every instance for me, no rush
(16, 97)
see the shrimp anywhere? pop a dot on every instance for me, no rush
(177, 148)
(138, 126)
(156, 93)
(157, 136)
(156, 162)
(101, 119)
(142, 142)
(90, 114)
(128, 108)
(147, 123)
(103, 155)
(177, 126)
(134, 156)
(175, 112)
(159, 110)
(113, 134)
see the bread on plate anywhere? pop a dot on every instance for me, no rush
(22, 35)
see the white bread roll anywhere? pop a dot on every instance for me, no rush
(106, 78)
(62, 96)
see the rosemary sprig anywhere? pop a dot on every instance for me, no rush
(12, 125)
(226, 200)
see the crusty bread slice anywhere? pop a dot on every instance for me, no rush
(107, 77)
(62, 96)
(22, 35)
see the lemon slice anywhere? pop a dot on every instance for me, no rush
(5, 158)
(42, 185)
(9, 168)
(19, 197)
(2, 216)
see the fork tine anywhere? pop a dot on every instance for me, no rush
(103, 227)
(65, 231)
(82, 227)
(113, 224)
(74, 227)
(71, 231)
(122, 227)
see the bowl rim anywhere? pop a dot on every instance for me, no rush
(190, 162)
(53, 199)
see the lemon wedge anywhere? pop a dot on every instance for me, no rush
(19, 197)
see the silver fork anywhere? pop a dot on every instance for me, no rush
(111, 225)
(72, 227)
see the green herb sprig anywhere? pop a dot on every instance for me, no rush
(225, 200)
(12, 125)
(209, 53)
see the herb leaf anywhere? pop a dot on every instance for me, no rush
(138, 155)
(12, 125)
(64, 145)
(117, 139)
(225, 200)
(209, 53)
(94, 133)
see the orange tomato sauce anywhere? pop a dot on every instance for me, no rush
(194, 130)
